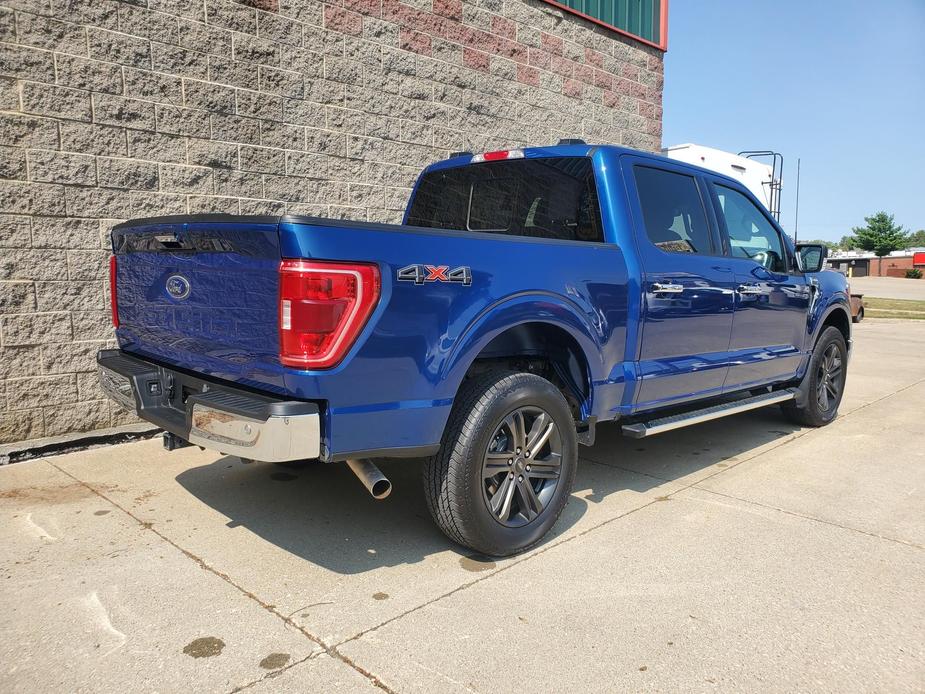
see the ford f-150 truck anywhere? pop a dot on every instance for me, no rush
(528, 295)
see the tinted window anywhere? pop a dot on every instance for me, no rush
(491, 204)
(673, 211)
(751, 235)
(551, 198)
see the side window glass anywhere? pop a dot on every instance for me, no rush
(672, 211)
(751, 235)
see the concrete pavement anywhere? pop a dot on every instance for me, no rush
(744, 554)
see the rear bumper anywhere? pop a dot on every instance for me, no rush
(224, 418)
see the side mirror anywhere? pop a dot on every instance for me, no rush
(811, 257)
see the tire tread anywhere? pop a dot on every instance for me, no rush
(806, 415)
(445, 484)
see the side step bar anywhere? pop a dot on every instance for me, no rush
(657, 426)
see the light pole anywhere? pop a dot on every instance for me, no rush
(796, 219)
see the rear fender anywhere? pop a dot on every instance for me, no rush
(532, 307)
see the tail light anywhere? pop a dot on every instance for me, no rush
(323, 306)
(113, 299)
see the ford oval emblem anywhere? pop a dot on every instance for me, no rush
(178, 287)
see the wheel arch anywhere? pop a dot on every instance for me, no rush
(838, 316)
(542, 329)
(801, 408)
(548, 350)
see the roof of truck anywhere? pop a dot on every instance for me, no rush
(464, 158)
(569, 150)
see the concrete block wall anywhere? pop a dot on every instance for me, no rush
(111, 110)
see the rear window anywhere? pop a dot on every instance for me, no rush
(673, 211)
(552, 198)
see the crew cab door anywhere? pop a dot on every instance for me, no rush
(687, 285)
(771, 296)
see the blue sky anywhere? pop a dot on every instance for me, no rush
(840, 84)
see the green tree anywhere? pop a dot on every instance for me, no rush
(917, 239)
(831, 245)
(881, 235)
(847, 243)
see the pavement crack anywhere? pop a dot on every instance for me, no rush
(288, 621)
(333, 650)
(553, 545)
(805, 516)
(739, 461)
(444, 676)
(308, 607)
(476, 581)
(275, 673)
(782, 442)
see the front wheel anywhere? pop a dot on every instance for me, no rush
(507, 464)
(823, 385)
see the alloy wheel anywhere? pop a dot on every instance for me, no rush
(830, 378)
(521, 468)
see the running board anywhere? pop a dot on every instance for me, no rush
(657, 426)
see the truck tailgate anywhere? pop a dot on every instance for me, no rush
(201, 293)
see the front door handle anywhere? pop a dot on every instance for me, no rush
(659, 288)
(749, 290)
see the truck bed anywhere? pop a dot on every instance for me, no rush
(397, 383)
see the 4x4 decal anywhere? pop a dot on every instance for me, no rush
(419, 274)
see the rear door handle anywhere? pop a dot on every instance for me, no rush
(659, 288)
(749, 289)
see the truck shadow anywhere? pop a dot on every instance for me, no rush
(323, 514)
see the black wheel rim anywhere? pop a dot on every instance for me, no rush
(830, 378)
(521, 468)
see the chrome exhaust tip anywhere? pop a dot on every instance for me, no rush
(371, 477)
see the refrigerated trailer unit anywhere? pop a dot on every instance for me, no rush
(762, 179)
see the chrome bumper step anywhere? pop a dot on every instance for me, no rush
(640, 430)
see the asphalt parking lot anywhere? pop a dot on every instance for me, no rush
(889, 287)
(741, 555)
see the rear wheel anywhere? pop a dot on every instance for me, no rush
(507, 464)
(823, 385)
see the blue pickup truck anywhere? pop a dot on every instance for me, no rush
(528, 295)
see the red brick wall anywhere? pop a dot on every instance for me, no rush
(890, 267)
